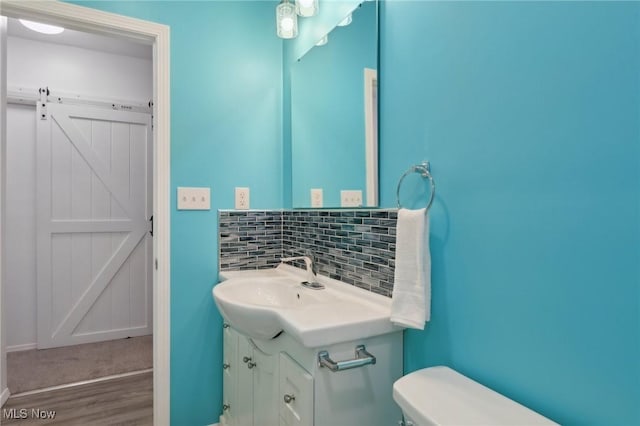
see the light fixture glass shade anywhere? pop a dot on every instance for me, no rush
(286, 20)
(41, 28)
(324, 40)
(306, 8)
(346, 21)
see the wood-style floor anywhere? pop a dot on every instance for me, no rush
(44, 368)
(121, 401)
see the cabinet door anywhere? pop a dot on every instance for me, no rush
(243, 410)
(296, 393)
(230, 367)
(265, 389)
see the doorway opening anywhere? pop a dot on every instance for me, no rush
(78, 208)
(95, 248)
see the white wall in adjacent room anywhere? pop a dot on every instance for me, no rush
(67, 69)
(81, 71)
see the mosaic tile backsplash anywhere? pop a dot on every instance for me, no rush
(249, 239)
(353, 246)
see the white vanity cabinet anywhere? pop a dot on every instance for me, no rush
(249, 383)
(279, 382)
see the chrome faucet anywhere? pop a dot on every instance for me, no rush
(312, 278)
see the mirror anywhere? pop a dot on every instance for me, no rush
(334, 116)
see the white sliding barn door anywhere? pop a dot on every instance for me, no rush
(94, 248)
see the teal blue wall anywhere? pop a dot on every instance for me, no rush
(327, 110)
(530, 115)
(288, 55)
(226, 120)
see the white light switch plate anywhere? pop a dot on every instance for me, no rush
(316, 197)
(242, 198)
(194, 198)
(351, 198)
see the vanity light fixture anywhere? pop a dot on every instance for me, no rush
(306, 8)
(41, 28)
(324, 40)
(286, 20)
(346, 21)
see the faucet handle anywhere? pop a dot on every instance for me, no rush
(291, 259)
(309, 266)
(312, 266)
(307, 260)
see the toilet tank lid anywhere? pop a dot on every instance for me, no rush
(442, 396)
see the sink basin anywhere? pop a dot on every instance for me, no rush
(251, 305)
(262, 304)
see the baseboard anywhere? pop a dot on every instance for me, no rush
(25, 347)
(5, 396)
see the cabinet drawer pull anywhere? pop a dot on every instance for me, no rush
(246, 359)
(225, 407)
(226, 365)
(289, 398)
(362, 358)
(225, 325)
(250, 365)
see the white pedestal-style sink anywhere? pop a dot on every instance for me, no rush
(298, 356)
(263, 303)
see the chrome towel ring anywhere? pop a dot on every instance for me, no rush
(425, 171)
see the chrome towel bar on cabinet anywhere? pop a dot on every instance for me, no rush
(424, 170)
(362, 358)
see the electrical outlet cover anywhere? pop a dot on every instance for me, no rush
(316, 197)
(242, 198)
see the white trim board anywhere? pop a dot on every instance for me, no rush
(19, 348)
(30, 96)
(98, 22)
(83, 382)
(3, 180)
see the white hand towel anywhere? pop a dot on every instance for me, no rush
(411, 301)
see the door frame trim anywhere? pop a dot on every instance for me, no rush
(104, 23)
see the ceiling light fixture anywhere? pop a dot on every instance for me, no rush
(41, 28)
(306, 8)
(286, 20)
(346, 21)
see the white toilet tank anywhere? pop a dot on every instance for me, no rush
(442, 396)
